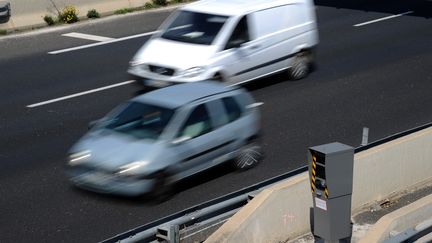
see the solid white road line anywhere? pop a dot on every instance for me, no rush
(87, 37)
(381, 19)
(79, 94)
(100, 43)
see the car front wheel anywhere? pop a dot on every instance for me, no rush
(162, 189)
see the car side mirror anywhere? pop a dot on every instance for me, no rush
(181, 139)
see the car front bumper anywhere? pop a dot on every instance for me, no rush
(107, 183)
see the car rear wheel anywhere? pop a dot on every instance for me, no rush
(300, 66)
(248, 156)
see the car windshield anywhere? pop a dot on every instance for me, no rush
(196, 28)
(142, 121)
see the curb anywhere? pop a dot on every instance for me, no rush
(37, 25)
(399, 220)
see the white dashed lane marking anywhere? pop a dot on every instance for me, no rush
(79, 94)
(100, 43)
(87, 37)
(382, 19)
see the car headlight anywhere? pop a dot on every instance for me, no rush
(131, 167)
(77, 158)
(193, 72)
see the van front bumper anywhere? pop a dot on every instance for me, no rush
(147, 78)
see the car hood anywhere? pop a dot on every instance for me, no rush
(175, 54)
(110, 150)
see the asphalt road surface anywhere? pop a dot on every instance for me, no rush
(374, 70)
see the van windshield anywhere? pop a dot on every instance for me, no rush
(193, 27)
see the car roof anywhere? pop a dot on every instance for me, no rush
(234, 7)
(177, 95)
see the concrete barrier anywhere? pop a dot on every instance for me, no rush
(29, 13)
(282, 211)
(391, 167)
(269, 218)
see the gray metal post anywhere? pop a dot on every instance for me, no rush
(365, 136)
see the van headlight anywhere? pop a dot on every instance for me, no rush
(125, 169)
(79, 157)
(193, 72)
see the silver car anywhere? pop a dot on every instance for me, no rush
(5, 12)
(163, 136)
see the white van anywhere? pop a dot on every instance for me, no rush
(234, 41)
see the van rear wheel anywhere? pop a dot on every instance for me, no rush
(300, 66)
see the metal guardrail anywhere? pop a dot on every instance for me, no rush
(200, 213)
(211, 214)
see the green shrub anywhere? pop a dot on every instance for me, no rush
(93, 14)
(69, 15)
(178, 1)
(123, 11)
(49, 20)
(3, 32)
(160, 2)
(148, 5)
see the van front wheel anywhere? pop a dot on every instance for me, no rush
(300, 66)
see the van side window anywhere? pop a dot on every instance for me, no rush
(197, 124)
(287, 16)
(240, 34)
(233, 111)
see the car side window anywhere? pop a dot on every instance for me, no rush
(240, 34)
(197, 124)
(233, 110)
